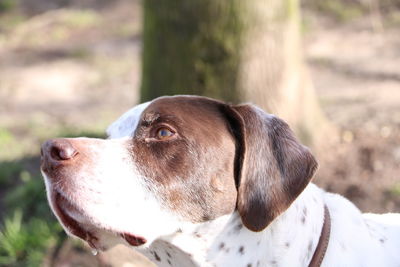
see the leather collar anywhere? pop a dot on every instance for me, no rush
(323, 242)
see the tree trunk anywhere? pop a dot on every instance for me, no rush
(191, 47)
(232, 50)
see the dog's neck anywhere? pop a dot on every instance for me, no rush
(290, 240)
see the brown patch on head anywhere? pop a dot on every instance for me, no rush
(215, 149)
(193, 171)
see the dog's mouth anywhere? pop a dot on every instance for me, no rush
(77, 223)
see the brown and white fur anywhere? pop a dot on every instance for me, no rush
(191, 181)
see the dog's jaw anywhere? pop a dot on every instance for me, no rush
(101, 217)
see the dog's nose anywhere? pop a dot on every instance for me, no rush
(57, 151)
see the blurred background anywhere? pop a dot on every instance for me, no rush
(69, 68)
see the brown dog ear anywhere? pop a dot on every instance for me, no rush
(272, 167)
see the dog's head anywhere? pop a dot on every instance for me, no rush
(175, 160)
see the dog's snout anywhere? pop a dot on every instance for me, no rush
(62, 149)
(57, 151)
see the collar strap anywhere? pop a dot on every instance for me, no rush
(323, 240)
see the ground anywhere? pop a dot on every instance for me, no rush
(356, 76)
(70, 72)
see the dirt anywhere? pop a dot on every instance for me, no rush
(356, 76)
(71, 61)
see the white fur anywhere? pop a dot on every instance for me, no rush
(127, 123)
(356, 240)
(110, 191)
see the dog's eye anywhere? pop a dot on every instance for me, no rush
(164, 133)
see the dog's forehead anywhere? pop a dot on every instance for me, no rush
(126, 125)
(187, 109)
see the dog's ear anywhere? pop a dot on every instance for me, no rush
(272, 168)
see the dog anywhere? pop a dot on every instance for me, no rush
(192, 181)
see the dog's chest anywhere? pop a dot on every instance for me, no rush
(230, 244)
(166, 254)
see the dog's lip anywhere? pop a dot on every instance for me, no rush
(133, 240)
(60, 203)
(63, 206)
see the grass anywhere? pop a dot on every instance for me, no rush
(60, 25)
(7, 170)
(7, 5)
(342, 11)
(28, 196)
(25, 242)
(395, 190)
(28, 229)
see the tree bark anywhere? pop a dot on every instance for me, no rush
(191, 47)
(235, 51)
